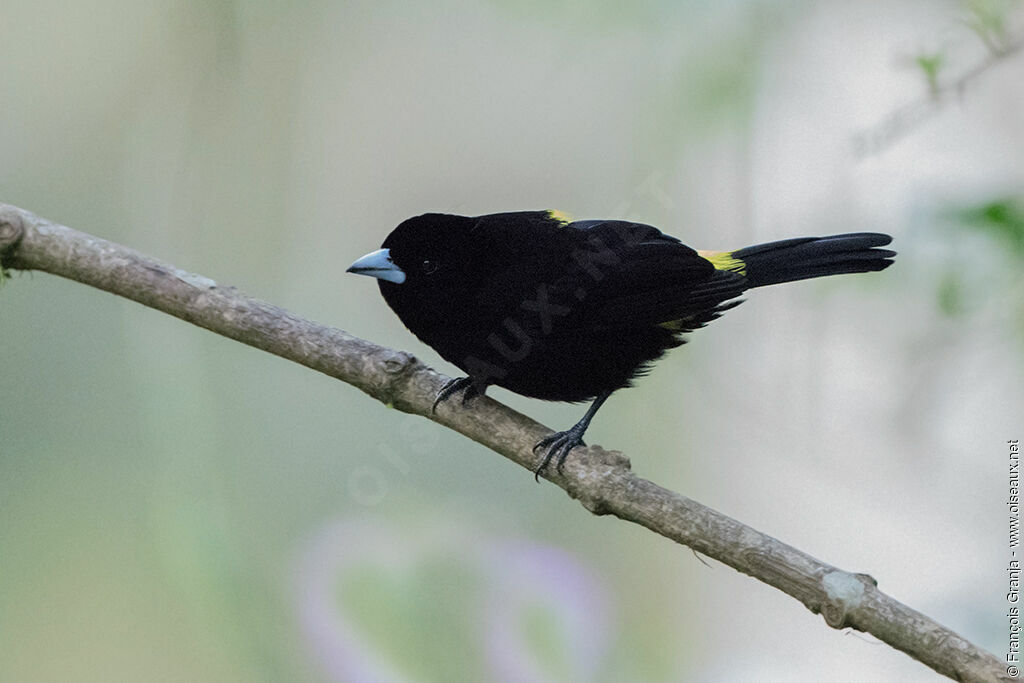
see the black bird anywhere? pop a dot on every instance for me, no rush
(567, 310)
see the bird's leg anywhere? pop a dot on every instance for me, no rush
(560, 443)
(454, 386)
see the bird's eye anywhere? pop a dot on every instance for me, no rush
(429, 267)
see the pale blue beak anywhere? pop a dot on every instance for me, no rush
(378, 264)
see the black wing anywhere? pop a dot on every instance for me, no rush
(630, 274)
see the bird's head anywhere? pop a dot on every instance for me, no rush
(431, 251)
(436, 268)
(426, 267)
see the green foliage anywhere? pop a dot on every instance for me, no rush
(1000, 224)
(987, 18)
(1002, 219)
(931, 64)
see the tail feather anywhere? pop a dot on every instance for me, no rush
(807, 257)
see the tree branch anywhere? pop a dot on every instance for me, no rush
(899, 123)
(601, 480)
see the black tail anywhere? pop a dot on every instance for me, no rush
(806, 257)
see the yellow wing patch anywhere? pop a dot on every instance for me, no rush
(560, 216)
(723, 260)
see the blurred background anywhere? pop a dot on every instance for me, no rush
(177, 507)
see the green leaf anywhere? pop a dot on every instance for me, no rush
(1002, 219)
(931, 64)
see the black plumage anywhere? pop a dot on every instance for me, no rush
(572, 311)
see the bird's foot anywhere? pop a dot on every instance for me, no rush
(453, 386)
(557, 448)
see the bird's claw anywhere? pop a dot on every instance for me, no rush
(558, 446)
(453, 386)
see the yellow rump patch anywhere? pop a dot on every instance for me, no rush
(559, 216)
(723, 260)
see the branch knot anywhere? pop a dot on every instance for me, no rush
(396, 367)
(12, 229)
(602, 474)
(844, 593)
(398, 362)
